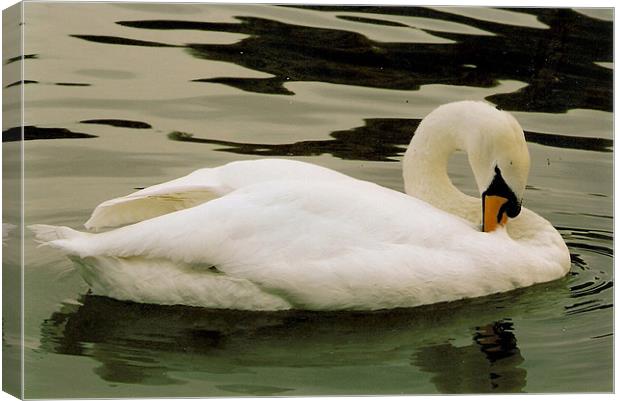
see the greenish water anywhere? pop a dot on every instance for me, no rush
(132, 95)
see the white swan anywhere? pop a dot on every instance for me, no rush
(280, 234)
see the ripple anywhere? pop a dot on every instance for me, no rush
(590, 240)
(590, 309)
(590, 288)
(586, 306)
(593, 234)
(578, 261)
(587, 246)
(600, 249)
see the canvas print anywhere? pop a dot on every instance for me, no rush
(224, 200)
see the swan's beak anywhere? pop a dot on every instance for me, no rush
(493, 212)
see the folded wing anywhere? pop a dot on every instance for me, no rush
(199, 187)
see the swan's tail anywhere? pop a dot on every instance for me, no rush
(66, 239)
(45, 233)
(139, 278)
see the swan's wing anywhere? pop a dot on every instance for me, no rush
(201, 186)
(191, 190)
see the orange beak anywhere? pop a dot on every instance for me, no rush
(492, 213)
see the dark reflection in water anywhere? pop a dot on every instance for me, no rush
(29, 81)
(490, 364)
(115, 40)
(118, 123)
(24, 82)
(371, 21)
(72, 84)
(557, 63)
(19, 58)
(138, 343)
(32, 132)
(570, 142)
(380, 139)
(259, 85)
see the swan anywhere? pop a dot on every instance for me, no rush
(277, 234)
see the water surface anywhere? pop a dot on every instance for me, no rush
(123, 96)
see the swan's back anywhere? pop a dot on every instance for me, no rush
(202, 186)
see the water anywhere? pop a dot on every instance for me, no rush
(130, 95)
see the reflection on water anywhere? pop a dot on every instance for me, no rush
(118, 123)
(113, 40)
(377, 140)
(490, 364)
(19, 58)
(32, 132)
(147, 344)
(22, 82)
(547, 59)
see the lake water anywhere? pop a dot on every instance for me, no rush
(123, 96)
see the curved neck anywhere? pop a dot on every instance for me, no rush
(425, 167)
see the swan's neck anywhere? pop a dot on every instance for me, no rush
(425, 168)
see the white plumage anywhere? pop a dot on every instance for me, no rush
(280, 234)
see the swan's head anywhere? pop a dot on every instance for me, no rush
(500, 161)
(497, 152)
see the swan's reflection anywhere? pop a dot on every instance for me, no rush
(156, 345)
(490, 364)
